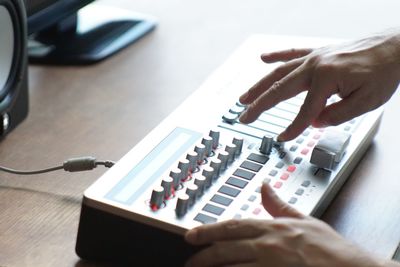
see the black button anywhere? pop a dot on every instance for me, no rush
(299, 192)
(229, 191)
(282, 155)
(204, 219)
(273, 172)
(244, 174)
(213, 209)
(236, 182)
(279, 165)
(297, 160)
(251, 166)
(262, 159)
(221, 200)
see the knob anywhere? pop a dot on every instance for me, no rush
(182, 205)
(208, 172)
(200, 149)
(157, 197)
(223, 156)
(177, 175)
(230, 118)
(208, 143)
(216, 165)
(192, 192)
(167, 183)
(192, 157)
(215, 136)
(183, 165)
(238, 141)
(231, 149)
(266, 144)
(200, 182)
(330, 149)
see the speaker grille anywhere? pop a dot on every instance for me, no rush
(6, 47)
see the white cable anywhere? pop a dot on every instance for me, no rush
(71, 165)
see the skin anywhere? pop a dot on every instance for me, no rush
(291, 239)
(364, 73)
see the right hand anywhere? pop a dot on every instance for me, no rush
(364, 73)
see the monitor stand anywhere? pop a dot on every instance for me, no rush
(89, 36)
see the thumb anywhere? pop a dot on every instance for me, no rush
(276, 206)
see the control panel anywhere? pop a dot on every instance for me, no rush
(201, 166)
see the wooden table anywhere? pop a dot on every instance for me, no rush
(105, 109)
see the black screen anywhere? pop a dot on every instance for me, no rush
(45, 13)
(55, 38)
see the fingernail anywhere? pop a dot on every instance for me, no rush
(191, 236)
(281, 138)
(243, 117)
(244, 97)
(265, 55)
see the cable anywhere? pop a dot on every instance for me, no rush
(70, 165)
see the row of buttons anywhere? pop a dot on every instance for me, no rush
(233, 186)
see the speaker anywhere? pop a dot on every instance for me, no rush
(13, 65)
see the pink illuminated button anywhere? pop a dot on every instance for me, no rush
(305, 151)
(278, 184)
(311, 144)
(291, 168)
(256, 211)
(285, 176)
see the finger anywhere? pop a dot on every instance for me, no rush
(344, 110)
(276, 206)
(285, 55)
(287, 87)
(224, 231)
(223, 254)
(322, 88)
(265, 83)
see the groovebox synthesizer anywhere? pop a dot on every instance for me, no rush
(201, 165)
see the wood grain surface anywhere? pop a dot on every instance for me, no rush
(105, 109)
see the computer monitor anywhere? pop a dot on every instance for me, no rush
(66, 32)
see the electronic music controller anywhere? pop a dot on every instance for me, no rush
(201, 165)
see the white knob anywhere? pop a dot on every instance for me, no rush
(182, 205)
(157, 197)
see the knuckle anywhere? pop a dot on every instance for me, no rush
(232, 224)
(313, 60)
(274, 89)
(324, 68)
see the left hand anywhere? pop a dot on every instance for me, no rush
(291, 239)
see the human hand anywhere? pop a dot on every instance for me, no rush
(364, 73)
(291, 239)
